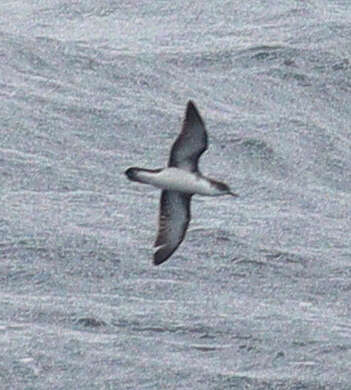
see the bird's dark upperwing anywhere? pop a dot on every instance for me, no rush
(173, 222)
(191, 142)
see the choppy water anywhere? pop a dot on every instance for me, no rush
(258, 296)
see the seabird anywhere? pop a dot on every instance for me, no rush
(179, 181)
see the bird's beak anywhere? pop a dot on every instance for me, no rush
(233, 194)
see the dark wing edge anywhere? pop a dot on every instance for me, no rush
(192, 119)
(164, 245)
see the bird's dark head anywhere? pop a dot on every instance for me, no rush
(132, 173)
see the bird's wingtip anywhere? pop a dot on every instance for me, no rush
(162, 254)
(158, 259)
(190, 104)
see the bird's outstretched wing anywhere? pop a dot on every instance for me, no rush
(191, 142)
(173, 222)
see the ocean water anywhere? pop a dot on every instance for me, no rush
(258, 296)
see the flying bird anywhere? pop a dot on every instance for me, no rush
(179, 181)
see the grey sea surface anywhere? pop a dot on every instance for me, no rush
(258, 296)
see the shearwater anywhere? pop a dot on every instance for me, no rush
(179, 181)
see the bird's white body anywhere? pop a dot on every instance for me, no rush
(175, 179)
